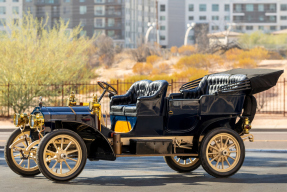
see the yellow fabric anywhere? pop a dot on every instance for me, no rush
(123, 127)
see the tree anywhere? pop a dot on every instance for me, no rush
(34, 56)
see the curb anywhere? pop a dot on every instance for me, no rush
(267, 150)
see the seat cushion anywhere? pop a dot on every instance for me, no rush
(117, 110)
(130, 110)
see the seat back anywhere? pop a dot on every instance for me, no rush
(139, 89)
(157, 87)
(215, 81)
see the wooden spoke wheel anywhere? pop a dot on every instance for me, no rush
(222, 152)
(18, 158)
(182, 164)
(62, 155)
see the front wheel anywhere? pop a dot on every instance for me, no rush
(182, 164)
(222, 152)
(61, 155)
(20, 153)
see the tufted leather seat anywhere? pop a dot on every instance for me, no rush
(140, 93)
(209, 85)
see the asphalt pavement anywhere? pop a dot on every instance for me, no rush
(260, 172)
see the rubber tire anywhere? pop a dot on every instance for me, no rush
(203, 158)
(179, 169)
(41, 148)
(8, 158)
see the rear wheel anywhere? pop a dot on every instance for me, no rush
(222, 152)
(62, 155)
(18, 158)
(182, 164)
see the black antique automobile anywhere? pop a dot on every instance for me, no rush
(204, 124)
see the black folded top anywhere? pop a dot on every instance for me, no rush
(260, 79)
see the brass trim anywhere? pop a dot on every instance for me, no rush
(250, 137)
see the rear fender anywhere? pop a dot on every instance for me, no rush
(98, 147)
(208, 126)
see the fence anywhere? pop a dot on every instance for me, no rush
(23, 98)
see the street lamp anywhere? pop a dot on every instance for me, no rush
(230, 25)
(189, 27)
(151, 26)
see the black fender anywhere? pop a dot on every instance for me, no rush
(98, 146)
(226, 122)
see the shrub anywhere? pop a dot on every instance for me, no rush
(186, 50)
(245, 63)
(174, 50)
(142, 68)
(152, 59)
(195, 61)
(142, 52)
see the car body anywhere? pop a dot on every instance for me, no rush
(197, 126)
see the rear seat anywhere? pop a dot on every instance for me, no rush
(210, 84)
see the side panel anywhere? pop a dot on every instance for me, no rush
(221, 104)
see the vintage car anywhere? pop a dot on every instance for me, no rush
(205, 123)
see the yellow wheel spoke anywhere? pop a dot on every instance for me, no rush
(233, 151)
(62, 142)
(227, 161)
(184, 161)
(226, 142)
(217, 162)
(61, 167)
(70, 152)
(213, 153)
(222, 161)
(17, 155)
(221, 141)
(28, 163)
(55, 145)
(50, 151)
(24, 144)
(22, 160)
(214, 158)
(213, 148)
(72, 159)
(68, 166)
(51, 159)
(190, 160)
(231, 157)
(216, 144)
(231, 145)
(68, 145)
(54, 165)
(178, 160)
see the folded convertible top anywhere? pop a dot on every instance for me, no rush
(260, 79)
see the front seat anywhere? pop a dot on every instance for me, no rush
(144, 98)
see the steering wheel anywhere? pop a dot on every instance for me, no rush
(107, 88)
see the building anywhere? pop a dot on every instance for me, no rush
(10, 9)
(223, 37)
(126, 21)
(249, 16)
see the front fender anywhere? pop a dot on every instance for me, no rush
(98, 146)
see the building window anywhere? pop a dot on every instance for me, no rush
(238, 28)
(214, 27)
(226, 7)
(202, 17)
(272, 28)
(99, 10)
(83, 33)
(99, 1)
(15, 10)
(261, 28)
(226, 18)
(249, 7)
(283, 27)
(162, 18)
(283, 17)
(99, 32)
(215, 7)
(272, 7)
(238, 18)
(2, 10)
(190, 7)
(260, 7)
(249, 18)
(83, 10)
(29, 1)
(67, 1)
(99, 22)
(202, 7)
(81, 1)
(261, 18)
(162, 8)
(162, 28)
(111, 22)
(215, 18)
(83, 22)
(238, 8)
(190, 18)
(272, 18)
(2, 1)
(249, 27)
(29, 9)
(111, 33)
(283, 7)
(162, 38)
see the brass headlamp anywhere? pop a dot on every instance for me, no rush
(20, 119)
(36, 121)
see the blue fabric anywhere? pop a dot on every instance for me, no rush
(115, 118)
